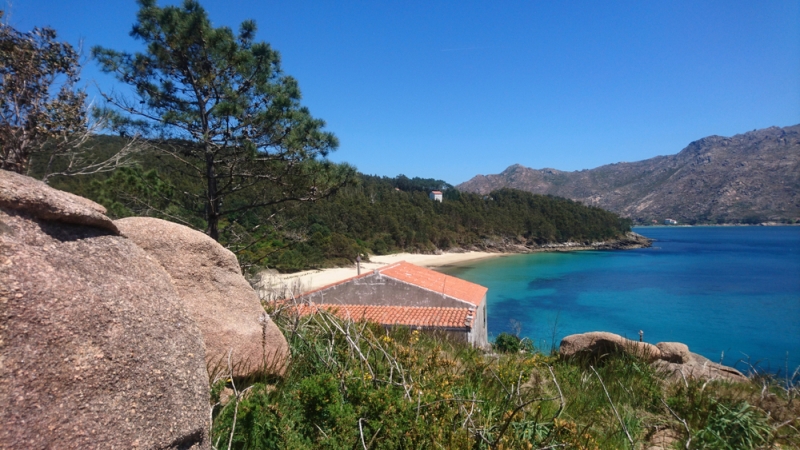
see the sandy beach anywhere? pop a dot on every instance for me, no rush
(312, 279)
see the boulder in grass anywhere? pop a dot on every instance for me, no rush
(674, 358)
(699, 367)
(208, 278)
(96, 347)
(598, 343)
(674, 352)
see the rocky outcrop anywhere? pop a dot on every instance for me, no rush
(599, 343)
(699, 367)
(752, 176)
(96, 347)
(674, 358)
(628, 241)
(208, 278)
(674, 352)
(18, 192)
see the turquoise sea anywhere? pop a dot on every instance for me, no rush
(729, 293)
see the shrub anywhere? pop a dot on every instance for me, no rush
(507, 343)
(358, 385)
(736, 428)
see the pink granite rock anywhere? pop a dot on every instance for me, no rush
(674, 352)
(598, 343)
(43, 202)
(96, 347)
(222, 302)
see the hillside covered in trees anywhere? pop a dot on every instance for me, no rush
(212, 134)
(365, 215)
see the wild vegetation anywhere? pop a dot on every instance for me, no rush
(219, 105)
(230, 150)
(43, 114)
(366, 215)
(213, 135)
(357, 385)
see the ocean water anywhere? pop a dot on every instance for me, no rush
(731, 294)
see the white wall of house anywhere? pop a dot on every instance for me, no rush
(479, 335)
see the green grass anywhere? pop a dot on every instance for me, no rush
(357, 385)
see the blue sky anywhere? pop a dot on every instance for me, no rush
(453, 89)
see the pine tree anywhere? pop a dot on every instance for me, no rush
(219, 103)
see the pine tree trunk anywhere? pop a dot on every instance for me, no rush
(212, 202)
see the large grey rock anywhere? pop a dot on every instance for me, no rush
(599, 343)
(222, 302)
(96, 347)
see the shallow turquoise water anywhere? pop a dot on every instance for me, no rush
(729, 293)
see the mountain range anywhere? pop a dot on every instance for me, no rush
(751, 178)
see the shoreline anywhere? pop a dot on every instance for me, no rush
(722, 225)
(274, 286)
(308, 280)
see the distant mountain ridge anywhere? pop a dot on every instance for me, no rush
(750, 177)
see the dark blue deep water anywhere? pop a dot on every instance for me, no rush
(729, 293)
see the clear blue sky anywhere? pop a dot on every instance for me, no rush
(453, 89)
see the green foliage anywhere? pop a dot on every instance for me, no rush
(377, 218)
(511, 343)
(356, 385)
(370, 217)
(733, 428)
(41, 110)
(218, 103)
(507, 343)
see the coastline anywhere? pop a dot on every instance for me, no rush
(308, 280)
(271, 285)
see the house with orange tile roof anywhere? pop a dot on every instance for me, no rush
(403, 294)
(436, 195)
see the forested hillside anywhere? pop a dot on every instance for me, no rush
(367, 215)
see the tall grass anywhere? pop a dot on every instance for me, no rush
(358, 385)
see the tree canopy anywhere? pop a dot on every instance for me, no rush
(41, 109)
(219, 103)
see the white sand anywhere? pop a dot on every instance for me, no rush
(312, 279)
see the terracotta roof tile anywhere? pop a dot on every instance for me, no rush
(436, 281)
(396, 315)
(425, 278)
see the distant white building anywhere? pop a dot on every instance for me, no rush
(670, 222)
(436, 195)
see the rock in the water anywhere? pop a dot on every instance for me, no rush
(599, 343)
(208, 278)
(674, 352)
(96, 347)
